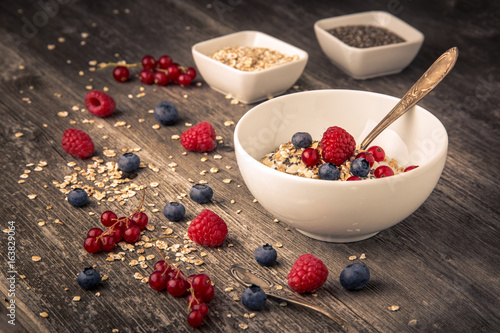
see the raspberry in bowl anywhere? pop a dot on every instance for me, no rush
(336, 210)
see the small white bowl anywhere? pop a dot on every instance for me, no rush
(340, 211)
(248, 87)
(365, 63)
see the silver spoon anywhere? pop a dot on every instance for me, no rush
(428, 81)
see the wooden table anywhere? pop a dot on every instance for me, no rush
(440, 266)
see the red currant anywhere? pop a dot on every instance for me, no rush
(158, 281)
(108, 218)
(194, 298)
(377, 152)
(383, 171)
(164, 62)
(310, 157)
(140, 219)
(92, 244)
(191, 72)
(353, 178)
(146, 76)
(107, 243)
(121, 73)
(162, 266)
(132, 234)
(148, 62)
(116, 233)
(203, 307)
(176, 287)
(200, 282)
(161, 78)
(173, 72)
(208, 294)
(184, 79)
(94, 232)
(367, 156)
(411, 167)
(195, 318)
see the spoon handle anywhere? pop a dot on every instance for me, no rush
(289, 297)
(428, 81)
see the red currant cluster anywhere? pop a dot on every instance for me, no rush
(127, 228)
(161, 72)
(200, 288)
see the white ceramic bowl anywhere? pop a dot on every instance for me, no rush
(365, 63)
(248, 87)
(340, 211)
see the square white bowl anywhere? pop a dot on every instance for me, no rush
(365, 63)
(248, 87)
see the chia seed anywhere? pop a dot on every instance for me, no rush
(364, 36)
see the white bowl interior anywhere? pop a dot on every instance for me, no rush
(415, 138)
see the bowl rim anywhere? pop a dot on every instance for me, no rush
(417, 40)
(443, 149)
(303, 55)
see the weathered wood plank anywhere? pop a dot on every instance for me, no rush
(440, 265)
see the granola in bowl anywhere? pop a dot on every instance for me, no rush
(288, 158)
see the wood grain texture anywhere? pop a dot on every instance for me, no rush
(440, 266)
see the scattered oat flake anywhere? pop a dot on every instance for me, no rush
(227, 180)
(412, 322)
(62, 114)
(278, 245)
(353, 258)
(51, 47)
(18, 134)
(44, 314)
(36, 258)
(154, 184)
(228, 123)
(243, 326)
(138, 276)
(362, 256)
(393, 308)
(229, 289)
(84, 35)
(76, 299)
(120, 123)
(175, 137)
(41, 223)
(276, 220)
(32, 196)
(156, 126)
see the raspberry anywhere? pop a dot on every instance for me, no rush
(308, 273)
(207, 229)
(99, 103)
(200, 137)
(77, 143)
(337, 145)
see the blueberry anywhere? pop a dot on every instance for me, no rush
(355, 276)
(78, 197)
(329, 171)
(201, 193)
(265, 255)
(166, 113)
(301, 140)
(129, 162)
(89, 278)
(253, 298)
(174, 211)
(360, 167)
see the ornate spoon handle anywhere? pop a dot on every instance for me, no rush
(428, 81)
(289, 297)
